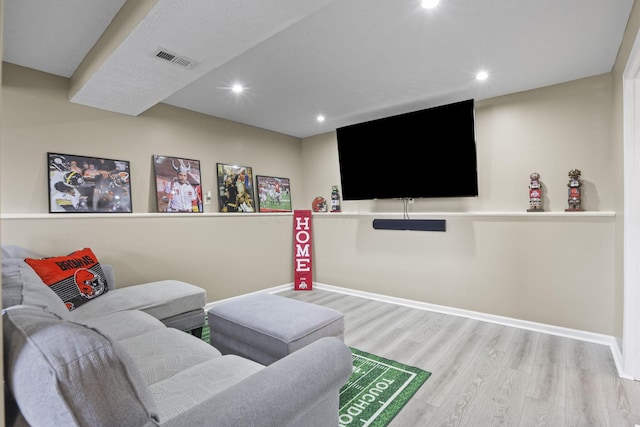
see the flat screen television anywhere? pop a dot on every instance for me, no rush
(423, 154)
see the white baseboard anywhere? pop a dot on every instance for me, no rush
(592, 337)
(275, 289)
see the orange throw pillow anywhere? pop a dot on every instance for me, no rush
(76, 278)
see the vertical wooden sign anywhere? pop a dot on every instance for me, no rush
(302, 272)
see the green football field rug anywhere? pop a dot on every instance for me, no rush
(376, 391)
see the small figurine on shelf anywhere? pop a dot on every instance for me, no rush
(535, 193)
(575, 197)
(335, 199)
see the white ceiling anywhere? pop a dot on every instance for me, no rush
(351, 60)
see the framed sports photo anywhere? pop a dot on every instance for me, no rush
(235, 188)
(81, 184)
(178, 185)
(274, 194)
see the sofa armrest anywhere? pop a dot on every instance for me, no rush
(282, 394)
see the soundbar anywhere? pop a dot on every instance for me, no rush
(410, 224)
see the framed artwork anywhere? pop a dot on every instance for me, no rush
(81, 184)
(274, 194)
(178, 185)
(235, 188)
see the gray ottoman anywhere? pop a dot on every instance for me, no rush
(265, 327)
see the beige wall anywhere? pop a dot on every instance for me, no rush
(1, 349)
(38, 118)
(549, 131)
(494, 258)
(630, 35)
(555, 269)
(227, 254)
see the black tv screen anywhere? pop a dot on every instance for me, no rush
(423, 154)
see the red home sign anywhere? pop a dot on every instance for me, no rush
(302, 272)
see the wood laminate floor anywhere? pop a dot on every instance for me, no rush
(484, 374)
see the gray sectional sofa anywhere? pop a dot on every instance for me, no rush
(124, 367)
(177, 304)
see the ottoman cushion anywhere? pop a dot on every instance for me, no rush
(265, 327)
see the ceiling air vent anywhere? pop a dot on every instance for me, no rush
(172, 57)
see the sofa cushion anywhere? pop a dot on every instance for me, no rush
(15, 251)
(179, 351)
(77, 278)
(162, 300)
(124, 324)
(110, 275)
(189, 387)
(21, 285)
(63, 373)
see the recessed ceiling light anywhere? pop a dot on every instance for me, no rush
(429, 4)
(237, 88)
(482, 75)
(320, 118)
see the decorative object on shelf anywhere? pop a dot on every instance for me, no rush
(235, 188)
(319, 204)
(575, 195)
(535, 193)
(274, 194)
(178, 188)
(80, 184)
(335, 199)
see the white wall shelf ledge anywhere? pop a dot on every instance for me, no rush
(411, 215)
(138, 215)
(419, 215)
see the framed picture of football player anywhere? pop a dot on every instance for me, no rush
(235, 188)
(81, 184)
(274, 194)
(178, 185)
